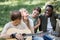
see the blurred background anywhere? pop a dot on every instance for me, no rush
(9, 5)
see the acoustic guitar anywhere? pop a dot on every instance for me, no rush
(26, 33)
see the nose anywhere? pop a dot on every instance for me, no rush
(27, 14)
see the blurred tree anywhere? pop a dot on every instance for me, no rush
(55, 3)
(31, 1)
(3, 0)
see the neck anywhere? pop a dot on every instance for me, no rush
(25, 18)
(33, 17)
(14, 23)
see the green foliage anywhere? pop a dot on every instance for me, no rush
(57, 5)
(3, 0)
(5, 11)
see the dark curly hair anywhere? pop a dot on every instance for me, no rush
(38, 9)
(50, 6)
(15, 15)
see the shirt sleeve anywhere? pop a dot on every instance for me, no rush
(5, 28)
(57, 16)
(31, 23)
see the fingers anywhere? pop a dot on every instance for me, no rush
(19, 36)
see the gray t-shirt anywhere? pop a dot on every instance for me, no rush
(34, 19)
(22, 25)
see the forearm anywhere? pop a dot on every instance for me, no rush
(35, 27)
(4, 36)
(37, 24)
(32, 29)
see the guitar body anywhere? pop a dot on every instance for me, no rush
(14, 30)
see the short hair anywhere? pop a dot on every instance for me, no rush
(50, 6)
(38, 9)
(15, 15)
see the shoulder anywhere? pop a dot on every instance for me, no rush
(6, 27)
(30, 20)
(41, 15)
(8, 24)
(30, 16)
(23, 23)
(55, 14)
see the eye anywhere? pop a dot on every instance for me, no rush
(46, 10)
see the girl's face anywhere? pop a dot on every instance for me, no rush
(24, 14)
(35, 13)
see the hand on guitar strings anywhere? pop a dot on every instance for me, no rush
(19, 36)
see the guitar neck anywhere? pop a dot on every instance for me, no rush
(35, 34)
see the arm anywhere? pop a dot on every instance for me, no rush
(4, 36)
(58, 27)
(31, 26)
(38, 23)
(3, 33)
(57, 16)
(32, 29)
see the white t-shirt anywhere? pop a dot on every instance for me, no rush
(49, 26)
(22, 25)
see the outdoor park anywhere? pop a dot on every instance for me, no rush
(6, 6)
(9, 5)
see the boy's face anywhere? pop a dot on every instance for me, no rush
(35, 13)
(48, 11)
(18, 21)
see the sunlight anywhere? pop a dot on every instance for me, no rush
(11, 3)
(5, 3)
(1, 28)
(32, 3)
(15, 3)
